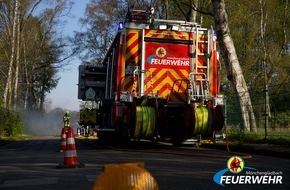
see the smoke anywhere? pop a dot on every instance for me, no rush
(47, 123)
(37, 123)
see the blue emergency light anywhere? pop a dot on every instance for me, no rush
(120, 26)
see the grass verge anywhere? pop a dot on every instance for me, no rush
(7, 140)
(273, 137)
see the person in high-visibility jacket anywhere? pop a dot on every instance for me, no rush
(66, 119)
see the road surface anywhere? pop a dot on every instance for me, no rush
(31, 164)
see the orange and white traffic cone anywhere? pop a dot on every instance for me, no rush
(70, 158)
(70, 154)
(63, 140)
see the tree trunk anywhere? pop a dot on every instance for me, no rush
(166, 5)
(17, 60)
(25, 68)
(8, 87)
(232, 64)
(193, 12)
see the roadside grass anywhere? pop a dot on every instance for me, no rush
(6, 140)
(279, 137)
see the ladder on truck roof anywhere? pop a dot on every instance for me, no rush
(199, 76)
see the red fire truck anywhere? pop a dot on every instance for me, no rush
(159, 80)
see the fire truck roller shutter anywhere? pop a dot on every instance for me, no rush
(145, 122)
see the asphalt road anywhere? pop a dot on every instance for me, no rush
(31, 164)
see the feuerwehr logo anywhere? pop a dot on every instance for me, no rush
(236, 164)
(163, 58)
(237, 173)
(161, 52)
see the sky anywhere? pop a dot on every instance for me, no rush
(65, 94)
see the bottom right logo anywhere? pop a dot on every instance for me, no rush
(237, 173)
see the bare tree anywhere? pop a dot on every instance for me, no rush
(232, 64)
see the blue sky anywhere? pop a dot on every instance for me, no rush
(65, 95)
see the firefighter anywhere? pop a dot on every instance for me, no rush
(87, 130)
(66, 119)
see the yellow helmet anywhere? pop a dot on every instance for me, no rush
(66, 112)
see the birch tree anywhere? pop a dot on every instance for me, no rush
(234, 71)
(7, 97)
(31, 51)
(17, 64)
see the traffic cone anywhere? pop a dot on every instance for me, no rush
(70, 158)
(70, 154)
(63, 140)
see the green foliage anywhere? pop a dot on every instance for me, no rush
(279, 108)
(10, 123)
(241, 136)
(256, 47)
(42, 51)
(281, 119)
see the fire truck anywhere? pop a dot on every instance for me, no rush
(159, 80)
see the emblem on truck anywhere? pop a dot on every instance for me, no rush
(160, 52)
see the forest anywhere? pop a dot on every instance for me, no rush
(33, 50)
